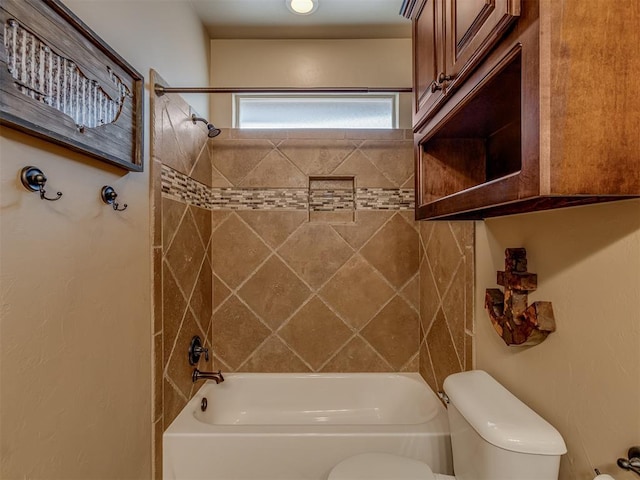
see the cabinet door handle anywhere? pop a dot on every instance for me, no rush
(444, 77)
(435, 87)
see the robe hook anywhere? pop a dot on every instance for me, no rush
(109, 195)
(34, 180)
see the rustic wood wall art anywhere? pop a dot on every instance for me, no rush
(59, 81)
(516, 323)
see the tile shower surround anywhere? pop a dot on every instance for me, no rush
(268, 289)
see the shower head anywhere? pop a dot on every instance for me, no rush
(213, 131)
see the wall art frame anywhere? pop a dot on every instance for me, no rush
(60, 82)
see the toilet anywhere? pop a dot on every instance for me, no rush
(494, 436)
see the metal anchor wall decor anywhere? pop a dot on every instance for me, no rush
(516, 322)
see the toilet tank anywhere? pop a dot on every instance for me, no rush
(494, 436)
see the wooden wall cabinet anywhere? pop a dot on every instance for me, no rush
(542, 110)
(450, 38)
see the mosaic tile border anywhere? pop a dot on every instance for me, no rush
(180, 187)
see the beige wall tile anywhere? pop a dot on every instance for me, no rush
(220, 292)
(426, 369)
(443, 353)
(337, 216)
(274, 292)
(366, 224)
(429, 297)
(393, 251)
(454, 310)
(315, 333)
(172, 213)
(274, 356)
(236, 332)
(158, 369)
(174, 402)
(394, 332)
(178, 369)
(393, 159)
(202, 219)
(202, 170)
(174, 305)
(411, 292)
(275, 171)
(185, 254)
(366, 174)
(273, 226)
(443, 255)
(236, 158)
(356, 292)
(316, 157)
(315, 252)
(357, 356)
(236, 252)
(201, 301)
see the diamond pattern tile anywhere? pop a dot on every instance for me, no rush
(367, 175)
(172, 213)
(236, 158)
(394, 332)
(394, 251)
(274, 292)
(454, 310)
(443, 255)
(202, 218)
(315, 252)
(367, 292)
(185, 255)
(273, 356)
(315, 333)
(393, 159)
(442, 351)
(411, 292)
(201, 300)
(178, 368)
(367, 222)
(236, 332)
(275, 171)
(357, 356)
(274, 226)
(316, 157)
(236, 251)
(429, 298)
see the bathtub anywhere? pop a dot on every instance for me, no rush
(298, 426)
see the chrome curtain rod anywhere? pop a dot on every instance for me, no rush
(160, 90)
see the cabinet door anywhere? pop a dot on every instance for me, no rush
(473, 27)
(428, 57)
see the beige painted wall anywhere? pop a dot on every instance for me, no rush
(309, 63)
(75, 280)
(584, 378)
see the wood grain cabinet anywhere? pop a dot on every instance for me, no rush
(524, 106)
(450, 38)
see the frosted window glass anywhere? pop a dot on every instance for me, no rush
(364, 111)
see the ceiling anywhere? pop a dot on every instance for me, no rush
(333, 19)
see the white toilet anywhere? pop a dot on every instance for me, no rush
(494, 436)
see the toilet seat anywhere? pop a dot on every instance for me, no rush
(381, 466)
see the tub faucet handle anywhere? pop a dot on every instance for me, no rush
(196, 349)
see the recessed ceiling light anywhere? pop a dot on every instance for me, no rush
(302, 7)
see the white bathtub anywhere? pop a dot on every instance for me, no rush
(298, 426)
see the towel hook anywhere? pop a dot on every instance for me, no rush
(109, 196)
(33, 179)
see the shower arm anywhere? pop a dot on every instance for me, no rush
(161, 90)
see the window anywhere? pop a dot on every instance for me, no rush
(316, 111)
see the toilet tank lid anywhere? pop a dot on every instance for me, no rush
(499, 417)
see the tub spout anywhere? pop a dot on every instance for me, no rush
(198, 375)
